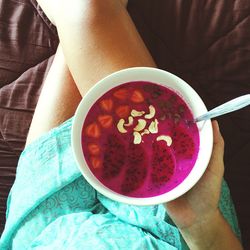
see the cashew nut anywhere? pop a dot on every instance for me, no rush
(137, 137)
(130, 121)
(151, 112)
(136, 113)
(153, 127)
(165, 138)
(141, 125)
(145, 132)
(120, 126)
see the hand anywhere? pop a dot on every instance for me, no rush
(197, 213)
(202, 200)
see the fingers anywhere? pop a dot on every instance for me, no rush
(218, 146)
(216, 164)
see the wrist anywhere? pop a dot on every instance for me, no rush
(203, 233)
(212, 232)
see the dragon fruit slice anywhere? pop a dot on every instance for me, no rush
(183, 143)
(114, 156)
(163, 163)
(137, 169)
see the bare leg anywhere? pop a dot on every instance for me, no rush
(58, 100)
(97, 38)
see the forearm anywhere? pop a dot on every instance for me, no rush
(211, 234)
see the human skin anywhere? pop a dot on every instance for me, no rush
(197, 213)
(98, 38)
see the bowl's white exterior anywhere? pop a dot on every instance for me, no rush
(157, 76)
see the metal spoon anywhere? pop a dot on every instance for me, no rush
(230, 106)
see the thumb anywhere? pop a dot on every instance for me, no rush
(216, 161)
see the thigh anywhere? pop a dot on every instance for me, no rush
(97, 38)
(58, 100)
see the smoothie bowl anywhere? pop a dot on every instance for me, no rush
(134, 140)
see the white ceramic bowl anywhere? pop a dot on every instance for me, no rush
(164, 78)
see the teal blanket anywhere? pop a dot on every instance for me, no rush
(51, 206)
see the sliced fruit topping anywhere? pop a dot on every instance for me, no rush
(137, 169)
(165, 138)
(106, 104)
(120, 126)
(151, 112)
(183, 143)
(93, 130)
(106, 121)
(94, 149)
(140, 125)
(114, 156)
(96, 162)
(121, 94)
(137, 96)
(123, 111)
(163, 163)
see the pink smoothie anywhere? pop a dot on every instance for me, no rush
(136, 140)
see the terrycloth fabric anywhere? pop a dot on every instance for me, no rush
(51, 206)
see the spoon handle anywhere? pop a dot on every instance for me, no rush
(230, 106)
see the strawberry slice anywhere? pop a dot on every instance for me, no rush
(105, 120)
(96, 162)
(123, 111)
(106, 104)
(94, 149)
(121, 94)
(137, 96)
(93, 130)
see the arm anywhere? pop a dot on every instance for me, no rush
(212, 233)
(196, 213)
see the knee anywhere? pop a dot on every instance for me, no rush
(88, 11)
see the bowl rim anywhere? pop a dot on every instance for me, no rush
(161, 77)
